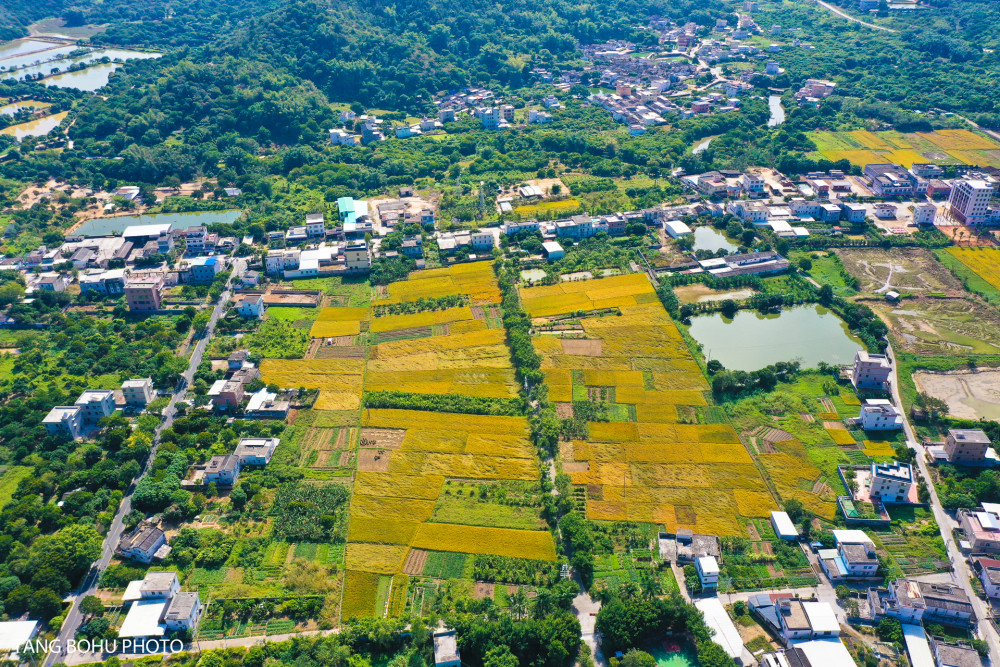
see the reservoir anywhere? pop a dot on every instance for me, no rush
(777, 111)
(35, 128)
(708, 238)
(750, 341)
(117, 224)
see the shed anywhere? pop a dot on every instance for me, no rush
(783, 526)
(725, 633)
(553, 250)
(676, 228)
(917, 646)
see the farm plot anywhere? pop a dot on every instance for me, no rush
(339, 380)
(984, 262)
(476, 280)
(861, 147)
(333, 322)
(650, 468)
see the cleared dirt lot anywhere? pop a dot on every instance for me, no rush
(929, 325)
(969, 394)
(901, 269)
(697, 293)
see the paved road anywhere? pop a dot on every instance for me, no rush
(841, 13)
(90, 583)
(960, 568)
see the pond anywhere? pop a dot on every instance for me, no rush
(63, 64)
(777, 111)
(678, 655)
(702, 146)
(89, 79)
(14, 107)
(808, 334)
(708, 238)
(35, 128)
(117, 224)
(34, 58)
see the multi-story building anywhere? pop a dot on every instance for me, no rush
(95, 404)
(142, 544)
(144, 292)
(982, 528)
(917, 601)
(966, 445)
(182, 613)
(278, 261)
(708, 571)
(969, 201)
(890, 180)
(255, 451)
(204, 269)
(481, 241)
(108, 282)
(64, 420)
(871, 371)
(194, 239)
(891, 482)
(315, 225)
(251, 306)
(854, 556)
(138, 392)
(801, 620)
(223, 470)
(226, 394)
(752, 184)
(358, 256)
(924, 214)
(989, 575)
(879, 414)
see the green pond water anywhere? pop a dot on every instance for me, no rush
(117, 224)
(683, 658)
(808, 334)
(707, 238)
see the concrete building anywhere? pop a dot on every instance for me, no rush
(552, 250)
(816, 653)
(989, 575)
(952, 655)
(970, 200)
(966, 445)
(204, 269)
(138, 393)
(110, 282)
(226, 394)
(853, 557)
(144, 292)
(223, 470)
(95, 404)
(891, 482)
(64, 420)
(916, 601)
(264, 404)
(315, 225)
(446, 649)
(358, 256)
(251, 306)
(182, 612)
(879, 414)
(871, 371)
(924, 214)
(982, 528)
(159, 607)
(806, 620)
(142, 544)
(676, 229)
(708, 571)
(255, 451)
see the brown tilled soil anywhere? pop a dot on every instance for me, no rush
(383, 438)
(584, 347)
(415, 560)
(595, 491)
(576, 466)
(483, 590)
(827, 404)
(752, 532)
(478, 313)
(373, 460)
(807, 418)
(564, 410)
(340, 352)
(834, 424)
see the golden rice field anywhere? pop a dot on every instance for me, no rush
(390, 509)
(653, 469)
(339, 380)
(360, 594)
(339, 322)
(861, 147)
(984, 262)
(424, 319)
(841, 436)
(476, 280)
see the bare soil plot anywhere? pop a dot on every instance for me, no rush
(583, 347)
(335, 352)
(382, 438)
(913, 270)
(969, 394)
(576, 466)
(834, 424)
(483, 590)
(373, 460)
(930, 325)
(564, 410)
(807, 418)
(697, 293)
(415, 562)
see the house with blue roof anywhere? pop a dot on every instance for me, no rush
(204, 269)
(351, 209)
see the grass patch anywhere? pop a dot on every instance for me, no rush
(12, 476)
(444, 565)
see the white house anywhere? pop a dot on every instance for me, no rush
(871, 371)
(708, 571)
(807, 620)
(64, 420)
(95, 404)
(854, 556)
(264, 404)
(891, 482)
(222, 470)
(142, 544)
(138, 392)
(251, 306)
(255, 451)
(158, 607)
(315, 225)
(879, 414)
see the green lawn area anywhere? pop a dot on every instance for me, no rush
(12, 476)
(300, 317)
(826, 270)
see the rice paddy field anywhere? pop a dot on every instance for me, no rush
(862, 147)
(406, 459)
(670, 457)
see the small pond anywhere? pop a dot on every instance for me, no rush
(117, 224)
(808, 334)
(777, 111)
(711, 239)
(35, 128)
